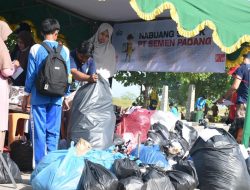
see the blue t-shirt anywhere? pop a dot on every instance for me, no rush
(200, 103)
(87, 68)
(244, 73)
(174, 111)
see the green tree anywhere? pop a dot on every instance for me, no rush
(11, 42)
(143, 79)
(212, 85)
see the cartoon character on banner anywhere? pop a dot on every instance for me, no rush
(154, 99)
(129, 47)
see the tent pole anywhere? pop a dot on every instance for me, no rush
(246, 129)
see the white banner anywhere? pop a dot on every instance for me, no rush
(156, 46)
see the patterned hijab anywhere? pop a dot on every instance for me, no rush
(104, 54)
(5, 60)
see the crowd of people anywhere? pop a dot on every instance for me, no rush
(96, 55)
(236, 95)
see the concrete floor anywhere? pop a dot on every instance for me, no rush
(20, 186)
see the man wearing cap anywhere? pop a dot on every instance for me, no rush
(240, 84)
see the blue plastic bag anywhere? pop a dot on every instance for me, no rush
(47, 160)
(105, 158)
(63, 173)
(151, 155)
(62, 169)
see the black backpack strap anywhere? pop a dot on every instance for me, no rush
(59, 48)
(49, 49)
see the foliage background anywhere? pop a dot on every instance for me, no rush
(210, 85)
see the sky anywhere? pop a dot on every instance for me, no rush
(119, 90)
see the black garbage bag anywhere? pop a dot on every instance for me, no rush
(161, 129)
(177, 137)
(156, 180)
(219, 163)
(233, 129)
(124, 168)
(97, 177)
(158, 134)
(181, 180)
(176, 142)
(14, 170)
(130, 183)
(92, 115)
(21, 153)
(187, 166)
(156, 138)
(248, 164)
(187, 132)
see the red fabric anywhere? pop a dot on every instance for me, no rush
(232, 108)
(135, 123)
(6, 149)
(232, 70)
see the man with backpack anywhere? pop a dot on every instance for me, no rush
(47, 83)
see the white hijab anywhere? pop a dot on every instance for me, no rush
(104, 54)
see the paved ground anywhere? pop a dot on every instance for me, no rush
(20, 186)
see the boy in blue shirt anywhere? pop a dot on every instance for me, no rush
(82, 65)
(83, 69)
(173, 109)
(45, 110)
(200, 103)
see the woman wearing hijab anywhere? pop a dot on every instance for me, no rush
(104, 52)
(24, 43)
(6, 70)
